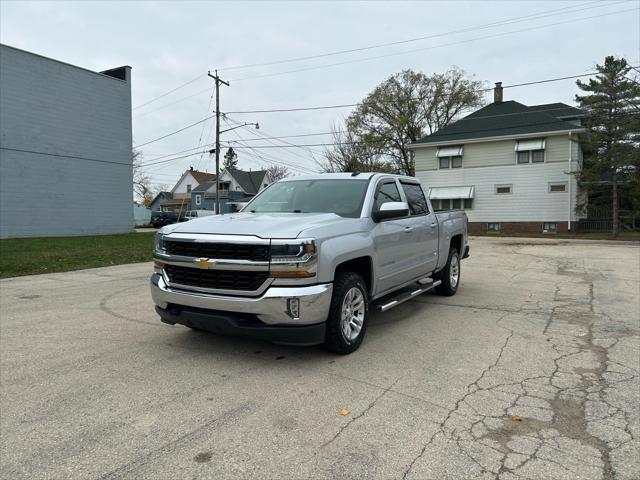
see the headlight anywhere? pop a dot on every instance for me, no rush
(293, 259)
(159, 243)
(287, 251)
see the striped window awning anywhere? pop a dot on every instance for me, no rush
(450, 151)
(535, 144)
(442, 193)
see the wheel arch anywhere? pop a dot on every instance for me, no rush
(363, 266)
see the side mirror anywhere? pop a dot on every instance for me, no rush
(391, 210)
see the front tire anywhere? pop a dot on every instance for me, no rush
(348, 315)
(449, 275)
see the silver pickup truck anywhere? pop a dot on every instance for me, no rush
(307, 258)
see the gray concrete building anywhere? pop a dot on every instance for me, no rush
(65, 148)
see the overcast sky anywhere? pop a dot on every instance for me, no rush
(171, 43)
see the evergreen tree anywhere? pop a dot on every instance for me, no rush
(612, 103)
(230, 159)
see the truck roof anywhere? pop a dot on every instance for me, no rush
(344, 176)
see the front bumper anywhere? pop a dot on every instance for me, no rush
(270, 308)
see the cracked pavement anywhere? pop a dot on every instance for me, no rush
(531, 371)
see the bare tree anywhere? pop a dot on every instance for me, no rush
(409, 105)
(349, 154)
(277, 172)
(142, 188)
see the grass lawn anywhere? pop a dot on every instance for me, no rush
(29, 256)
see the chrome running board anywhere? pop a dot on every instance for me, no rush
(396, 298)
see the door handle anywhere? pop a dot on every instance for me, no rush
(408, 229)
(434, 225)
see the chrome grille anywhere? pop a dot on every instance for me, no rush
(216, 279)
(218, 251)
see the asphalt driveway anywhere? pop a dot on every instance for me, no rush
(531, 371)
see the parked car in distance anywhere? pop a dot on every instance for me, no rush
(307, 258)
(191, 214)
(161, 219)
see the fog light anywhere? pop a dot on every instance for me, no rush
(293, 307)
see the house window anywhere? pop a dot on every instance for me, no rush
(451, 162)
(503, 189)
(452, 204)
(189, 188)
(537, 156)
(549, 227)
(198, 199)
(558, 187)
(530, 151)
(531, 156)
(493, 227)
(523, 157)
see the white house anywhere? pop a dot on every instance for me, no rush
(510, 166)
(179, 198)
(236, 188)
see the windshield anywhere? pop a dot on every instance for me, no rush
(342, 197)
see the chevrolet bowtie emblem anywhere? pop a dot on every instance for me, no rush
(202, 262)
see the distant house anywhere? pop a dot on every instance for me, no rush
(236, 188)
(158, 199)
(507, 165)
(179, 198)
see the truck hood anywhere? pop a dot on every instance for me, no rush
(263, 225)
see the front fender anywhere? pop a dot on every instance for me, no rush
(340, 249)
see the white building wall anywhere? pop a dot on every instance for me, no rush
(65, 148)
(530, 199)
(181, 189)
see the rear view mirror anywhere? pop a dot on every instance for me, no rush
(391, 210)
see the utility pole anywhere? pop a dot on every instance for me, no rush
(217, 150)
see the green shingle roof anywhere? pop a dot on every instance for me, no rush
(506, 119)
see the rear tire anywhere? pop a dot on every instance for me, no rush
(449, 275)
(348, 315)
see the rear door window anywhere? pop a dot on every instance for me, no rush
(415, 198)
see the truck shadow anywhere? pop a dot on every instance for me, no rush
(202, 342)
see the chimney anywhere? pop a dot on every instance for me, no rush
(191, 168)
(497, 93)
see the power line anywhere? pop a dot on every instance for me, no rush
(411, 40)
(263, 137)
(365, 59)
(149, 112)
(549, 122)
(167, 93)
(176, 131)
(288, 136)
(346, 105)
(535, 16)
(171, 159)
(203, 127)
(66, 156)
